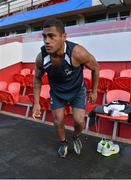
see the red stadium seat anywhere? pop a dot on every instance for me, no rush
(125, 73)
(29, 80)
(14, 89)
(105, 81)
(45, 79)
(44, 99)
(21, 78)
(87, 78)
(124, 81)
(33, 71)
(89, 108)
(25, 71)
(3, 85)
(114, 95)
(11, 96)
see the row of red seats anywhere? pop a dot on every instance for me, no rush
(21, 76)
(108, 80)
(10, 94)
(25, 78)
(105, 82)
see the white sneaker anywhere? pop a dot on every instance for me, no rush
(102, 143)
(109, 149)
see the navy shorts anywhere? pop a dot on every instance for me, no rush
(78, 101)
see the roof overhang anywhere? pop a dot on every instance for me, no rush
(108, 3)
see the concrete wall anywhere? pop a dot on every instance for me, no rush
(10, 54)
(105, 48)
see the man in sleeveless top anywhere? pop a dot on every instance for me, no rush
(63, 61)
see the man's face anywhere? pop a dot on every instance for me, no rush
(53, 39)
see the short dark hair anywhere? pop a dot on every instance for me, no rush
(54, 22)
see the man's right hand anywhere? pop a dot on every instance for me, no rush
(36, 111)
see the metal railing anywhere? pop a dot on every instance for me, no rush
(9, 7)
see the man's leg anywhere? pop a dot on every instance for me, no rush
(79, 118)
(58, 115)
(79, 124)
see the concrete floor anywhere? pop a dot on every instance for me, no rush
(28, 150)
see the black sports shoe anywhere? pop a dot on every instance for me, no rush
(77, 145)
(62, 151)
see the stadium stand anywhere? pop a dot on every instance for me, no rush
(82, 18)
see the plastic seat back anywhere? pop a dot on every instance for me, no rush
(87, 73)
(105, 79)
(45, 91)
(25, 71)
(117, 94)
(7, 97)
(123, 83)
(87, 78)
(45, 79)
(29, 80)
(125, 73)
(3, 85)
(107, 73)
(14, 89)
(33, 72)
(19, 78)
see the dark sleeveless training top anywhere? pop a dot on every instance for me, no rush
(65, 79)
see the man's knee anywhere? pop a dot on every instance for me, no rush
(79, 119)
(58, 118)
(58, 122)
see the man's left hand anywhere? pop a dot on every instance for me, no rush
(92, 97)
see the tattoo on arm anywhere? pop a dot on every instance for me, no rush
(39, 71)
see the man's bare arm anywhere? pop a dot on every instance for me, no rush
(82, 56)
(39, 71)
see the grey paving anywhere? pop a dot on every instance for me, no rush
(28, 151)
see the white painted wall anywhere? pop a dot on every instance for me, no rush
(30, 50)
(108, 47)
(105, 47)
(10, 54)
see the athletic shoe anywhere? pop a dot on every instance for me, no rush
(102, 143)
(109, 149)
(62, 151)
(77, 145)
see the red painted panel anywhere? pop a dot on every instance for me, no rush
(128, 65)
(125, 131)
(28, 65)
(6, 74)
